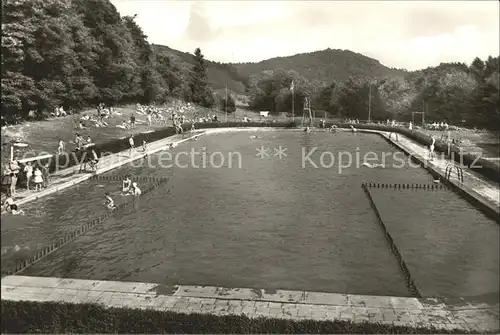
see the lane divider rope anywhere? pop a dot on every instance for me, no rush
(59, 243)
(399, 186)
(410, 283)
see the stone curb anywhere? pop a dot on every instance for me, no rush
(294, 305)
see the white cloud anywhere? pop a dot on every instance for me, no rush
(402, 34)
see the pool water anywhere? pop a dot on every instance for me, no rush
(450, 249)
(269, 223)
(55, 216)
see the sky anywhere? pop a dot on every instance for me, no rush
(401, 34)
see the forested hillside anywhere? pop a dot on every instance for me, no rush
(452, 92)
(218, 74)
(82, 52)
(324, 66)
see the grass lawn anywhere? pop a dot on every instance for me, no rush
(43, 136)
(480, 142)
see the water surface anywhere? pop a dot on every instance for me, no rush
(273, 223)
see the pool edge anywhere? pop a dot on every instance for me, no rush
(485, 206)
(298, 305)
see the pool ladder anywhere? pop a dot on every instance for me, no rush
(449, 169)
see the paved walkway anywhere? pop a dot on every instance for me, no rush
(68, 177)
(296, 305)
(472, 180)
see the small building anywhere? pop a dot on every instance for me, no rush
(264, 113)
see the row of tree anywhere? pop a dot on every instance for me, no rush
(78, 53)
(455, 92)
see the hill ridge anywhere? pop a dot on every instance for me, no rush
(326, 66)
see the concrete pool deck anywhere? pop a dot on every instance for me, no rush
(479, 188)
(65, 178)
(295, 305)
(68, 177)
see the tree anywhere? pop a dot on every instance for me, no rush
(230, 104)
(328, 99)
(355, 101)
(171, 75)
(271, 91)
(150, 85)
(199, 90)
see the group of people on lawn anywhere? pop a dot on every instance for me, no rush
(36, 175)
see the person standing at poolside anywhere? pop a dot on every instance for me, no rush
(38, 179)
(78, 141)
(60, 148)
(131, 143)
(431, 148)
(28, 170)
(94, 160)
(14, 171)
(44, 167)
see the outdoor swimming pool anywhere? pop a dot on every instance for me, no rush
(270, 223)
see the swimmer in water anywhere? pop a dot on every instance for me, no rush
(353, 129)
(10, 205)
(369, 165)
(109, 201)
(126, 184)
(135, 189)
(333, 129)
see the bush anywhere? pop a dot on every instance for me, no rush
(58, 162)
(238, 124)
(51, 317)
(488, 168)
